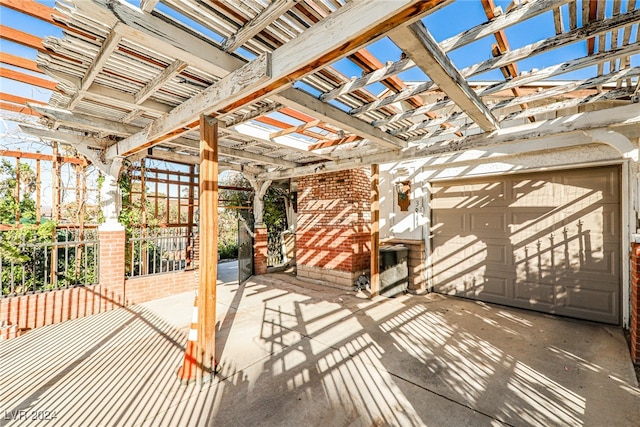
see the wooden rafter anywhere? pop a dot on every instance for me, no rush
(261, 21)
(20, 62)
(425, 52)
(20, 37)
(32, 8)
(27, 78)
(109, 45)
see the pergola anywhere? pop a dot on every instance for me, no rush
(252, 86)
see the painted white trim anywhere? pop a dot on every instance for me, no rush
(626, 194)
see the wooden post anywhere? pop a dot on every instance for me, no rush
(208, 246)
(17, 190)
(38, 192)
(55, 171)
(190, 212)
(375, 230)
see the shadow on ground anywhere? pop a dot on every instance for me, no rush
(294, 353)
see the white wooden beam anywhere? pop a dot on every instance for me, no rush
(261, 21)
(107, 94)
(563, 127)
(369, 78)
(109, 45)
(545, 73)
(148, 5)
(518, 14)
(420, 46)
(160, 35)
(305, 103)
(154, 84)
(234, 86)
(84, 121)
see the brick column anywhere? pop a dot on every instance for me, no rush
(634, 327)
(260, 250)
(112, 241)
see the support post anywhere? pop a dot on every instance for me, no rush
(17, 190)
(205, 346)
(375, 230)
(260, 237)
(38, 192)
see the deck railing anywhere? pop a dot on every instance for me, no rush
(29, 263)
(159, 250)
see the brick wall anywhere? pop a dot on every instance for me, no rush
(147, 288)
(333, 228)
(634, 327)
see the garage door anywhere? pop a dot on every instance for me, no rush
(545, 241)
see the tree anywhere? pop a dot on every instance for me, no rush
(9, 205)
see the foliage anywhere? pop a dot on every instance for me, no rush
(9, 205)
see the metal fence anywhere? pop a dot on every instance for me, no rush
(159, 250)
(30, 263)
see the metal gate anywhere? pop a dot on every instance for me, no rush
(245, 244)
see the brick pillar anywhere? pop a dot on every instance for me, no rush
(333, 234)
(634, 327)
(112, 241)
(260, 250)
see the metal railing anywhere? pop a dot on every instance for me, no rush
(29, 264)
(158, 250)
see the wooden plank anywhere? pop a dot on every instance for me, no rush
(335, 142)
(308, 104)
(22, 109)
(40, 156)
(27, 78)
(17, 61)
(162, 35)
(519, 14)
(557, 20)
(32, 8)
(232, 87)
(154, 84)
(208, 203)
(20, 37)
(261, 21)
(544, 46)
(545, 73)
(375, 230)
(416, 41)
(573, 15)
(85, 121)
(535, 96)
(562, 128)
(505, 58)
(148, 5)
(295, 129)
(108, 95)
(369, 78)
(109, 45)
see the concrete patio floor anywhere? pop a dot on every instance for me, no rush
(294, 354)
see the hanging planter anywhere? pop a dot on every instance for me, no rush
(403, 189)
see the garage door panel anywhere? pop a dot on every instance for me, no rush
(487, 223)
(590, 304)
(602, 182)
(554, 248)
(448, 222)
(535, 295)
